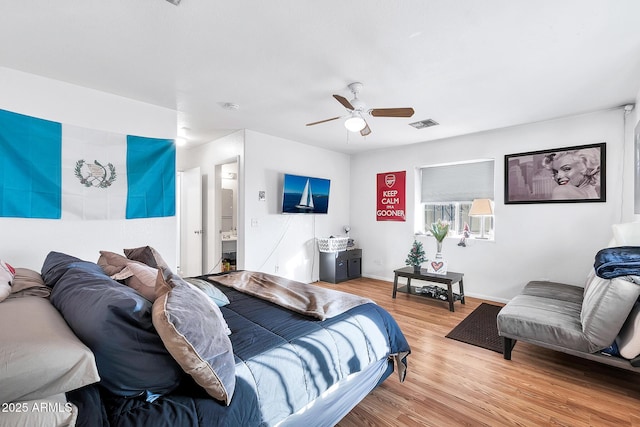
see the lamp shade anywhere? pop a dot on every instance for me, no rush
(355, 123)
(481, 207)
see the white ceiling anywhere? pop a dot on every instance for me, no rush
(469, 65)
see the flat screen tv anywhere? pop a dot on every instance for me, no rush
(305, 195)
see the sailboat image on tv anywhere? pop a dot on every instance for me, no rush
(305, 195)
(306, 200)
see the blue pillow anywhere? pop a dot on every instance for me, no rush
(55, 265)
(114, 321)
(210, 289)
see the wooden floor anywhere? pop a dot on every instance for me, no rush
(450, 383)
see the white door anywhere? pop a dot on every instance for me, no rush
(191, 233)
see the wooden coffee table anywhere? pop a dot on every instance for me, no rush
(448, 279)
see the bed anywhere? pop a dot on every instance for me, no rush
(293, 354)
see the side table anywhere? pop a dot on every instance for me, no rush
(448, 279)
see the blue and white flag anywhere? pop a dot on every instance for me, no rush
(53, 170)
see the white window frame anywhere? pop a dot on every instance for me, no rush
(456, 215)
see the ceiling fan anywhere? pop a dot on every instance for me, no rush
(354, 120)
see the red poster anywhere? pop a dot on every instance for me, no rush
(390, 197)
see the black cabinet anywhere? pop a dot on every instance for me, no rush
(340, 266)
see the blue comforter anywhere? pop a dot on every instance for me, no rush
(284, 361)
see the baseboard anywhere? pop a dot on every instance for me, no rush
(384, 279)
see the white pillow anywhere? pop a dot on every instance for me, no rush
(628, 339)
(627, 234)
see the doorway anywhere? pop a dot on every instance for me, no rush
(226, 216)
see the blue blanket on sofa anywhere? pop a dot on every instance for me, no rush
(618, 261)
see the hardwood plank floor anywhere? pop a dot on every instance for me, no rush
(450, 383)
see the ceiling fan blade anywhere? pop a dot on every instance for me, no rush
(366, 131)
(391, 112)
(323, 121)
(342, 100)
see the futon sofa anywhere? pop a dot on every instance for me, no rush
(600, 321)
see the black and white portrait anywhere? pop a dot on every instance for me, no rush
(570, 174)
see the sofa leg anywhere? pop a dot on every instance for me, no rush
(508, 344)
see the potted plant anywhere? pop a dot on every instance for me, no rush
(439, 229)
(416, 256)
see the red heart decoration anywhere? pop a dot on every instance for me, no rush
(437, 265)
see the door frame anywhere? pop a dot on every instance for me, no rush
(215, 237)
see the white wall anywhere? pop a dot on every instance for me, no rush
(231, 184)
(633, 125)
(539, 241)
(207, 156)
(285, 244)
(26, 242)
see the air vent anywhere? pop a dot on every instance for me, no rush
(424, 124)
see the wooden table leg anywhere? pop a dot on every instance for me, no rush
(461, 291)
(450, 296)
(395, 285)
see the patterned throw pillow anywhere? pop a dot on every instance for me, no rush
(7, 273)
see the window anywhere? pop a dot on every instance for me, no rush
(447, 192)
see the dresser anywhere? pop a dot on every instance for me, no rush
(337, 267)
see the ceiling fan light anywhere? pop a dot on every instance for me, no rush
(355, 123)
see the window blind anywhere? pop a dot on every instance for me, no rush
(460, 182)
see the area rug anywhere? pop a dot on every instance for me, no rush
(479, 328)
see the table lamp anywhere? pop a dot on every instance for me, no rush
(481, 208)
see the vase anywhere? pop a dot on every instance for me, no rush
(438, 265)
(416, 268)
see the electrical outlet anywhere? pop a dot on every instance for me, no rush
(277, 268)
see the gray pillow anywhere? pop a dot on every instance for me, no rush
(195, 333)
(605, 307)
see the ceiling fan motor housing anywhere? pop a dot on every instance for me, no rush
(355, 88)
(358, 105)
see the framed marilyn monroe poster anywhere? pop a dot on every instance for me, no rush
(558, 175)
